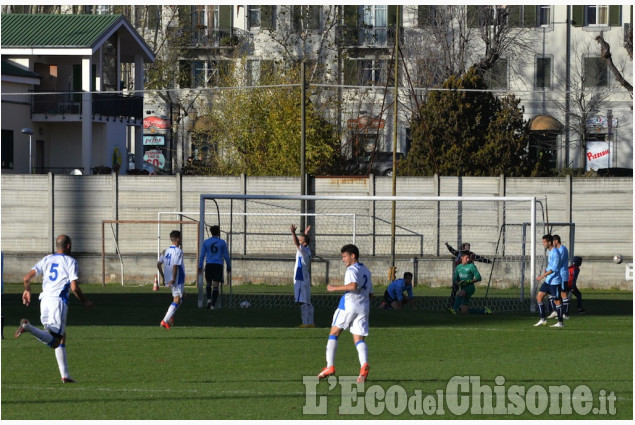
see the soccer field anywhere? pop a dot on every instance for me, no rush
(254, 364)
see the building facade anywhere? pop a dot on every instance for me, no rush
(554, 58)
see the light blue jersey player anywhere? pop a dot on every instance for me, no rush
(352, 312)
(552, 284)
(564, 276)
(173, 275)
(214, 251)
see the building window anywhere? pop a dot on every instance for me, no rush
(597, 15)
(370, 72)
(544, 16)
(262, 17)
(258, 70)
(496, 76)
(365, 72)
(595, 72)
(543, 73)
(7, 149)
(429, 15)
(306, 17)
(254, 16)
(202, 73)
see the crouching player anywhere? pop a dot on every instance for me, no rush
(465, 276)
(394, 294)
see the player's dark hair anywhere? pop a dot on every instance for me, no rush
(557, 238)
(351, 249)
(175, 234)
(577, 261)
(214, 230)
(307, 238)
(406, 275)
(548, 238)
(466, 246)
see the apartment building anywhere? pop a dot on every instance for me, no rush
(548, 56)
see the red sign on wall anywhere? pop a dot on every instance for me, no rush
(156, 122)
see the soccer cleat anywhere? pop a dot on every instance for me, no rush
(565, 317)
(451, 310)
(581, 311)
(488, 310)
(327, 371)
(541, 322)
(165, 325)
(363, 373)
(22, 328)
(209, 304)
(553, 315)
(171, 321)
(68, 381)
(557, 325)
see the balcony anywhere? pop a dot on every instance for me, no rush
(103, 104)
(218, 38)
(368, 36)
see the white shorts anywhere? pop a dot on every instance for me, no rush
(53, 313)
(302, 291)
(178, 290)
(357, 323)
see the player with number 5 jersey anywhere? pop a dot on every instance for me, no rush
(59, 278)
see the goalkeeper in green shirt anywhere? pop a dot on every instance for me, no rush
(465, 276)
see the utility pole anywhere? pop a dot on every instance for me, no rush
(392, 272)
(303, 146)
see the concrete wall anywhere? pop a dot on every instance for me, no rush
(37, 208)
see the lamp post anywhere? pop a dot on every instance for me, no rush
(27, 130)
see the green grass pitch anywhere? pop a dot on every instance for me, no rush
(250, 363)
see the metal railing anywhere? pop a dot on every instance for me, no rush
(369, 36)
(102, 103)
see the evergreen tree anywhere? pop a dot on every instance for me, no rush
(466, 131)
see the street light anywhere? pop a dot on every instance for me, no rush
(27, 130)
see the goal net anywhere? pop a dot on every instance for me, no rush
(392, 233)
(131, 245)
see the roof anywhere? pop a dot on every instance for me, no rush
(54, 30)
(48, 31)
(9, 68)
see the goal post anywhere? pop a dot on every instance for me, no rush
(257, 231)
(138, 235)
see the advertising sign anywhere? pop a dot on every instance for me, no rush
(156, 122)
(598, 155)
(155, 157)
(154, 140)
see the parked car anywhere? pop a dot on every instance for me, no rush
(378, 163)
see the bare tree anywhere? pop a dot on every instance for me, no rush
(589, 93)
(608, 57)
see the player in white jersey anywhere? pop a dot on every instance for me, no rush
(59, 277)
(302, 276)
(172, 275)
(352, 312)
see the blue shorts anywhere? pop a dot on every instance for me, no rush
(544, 287)
(554, 291)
